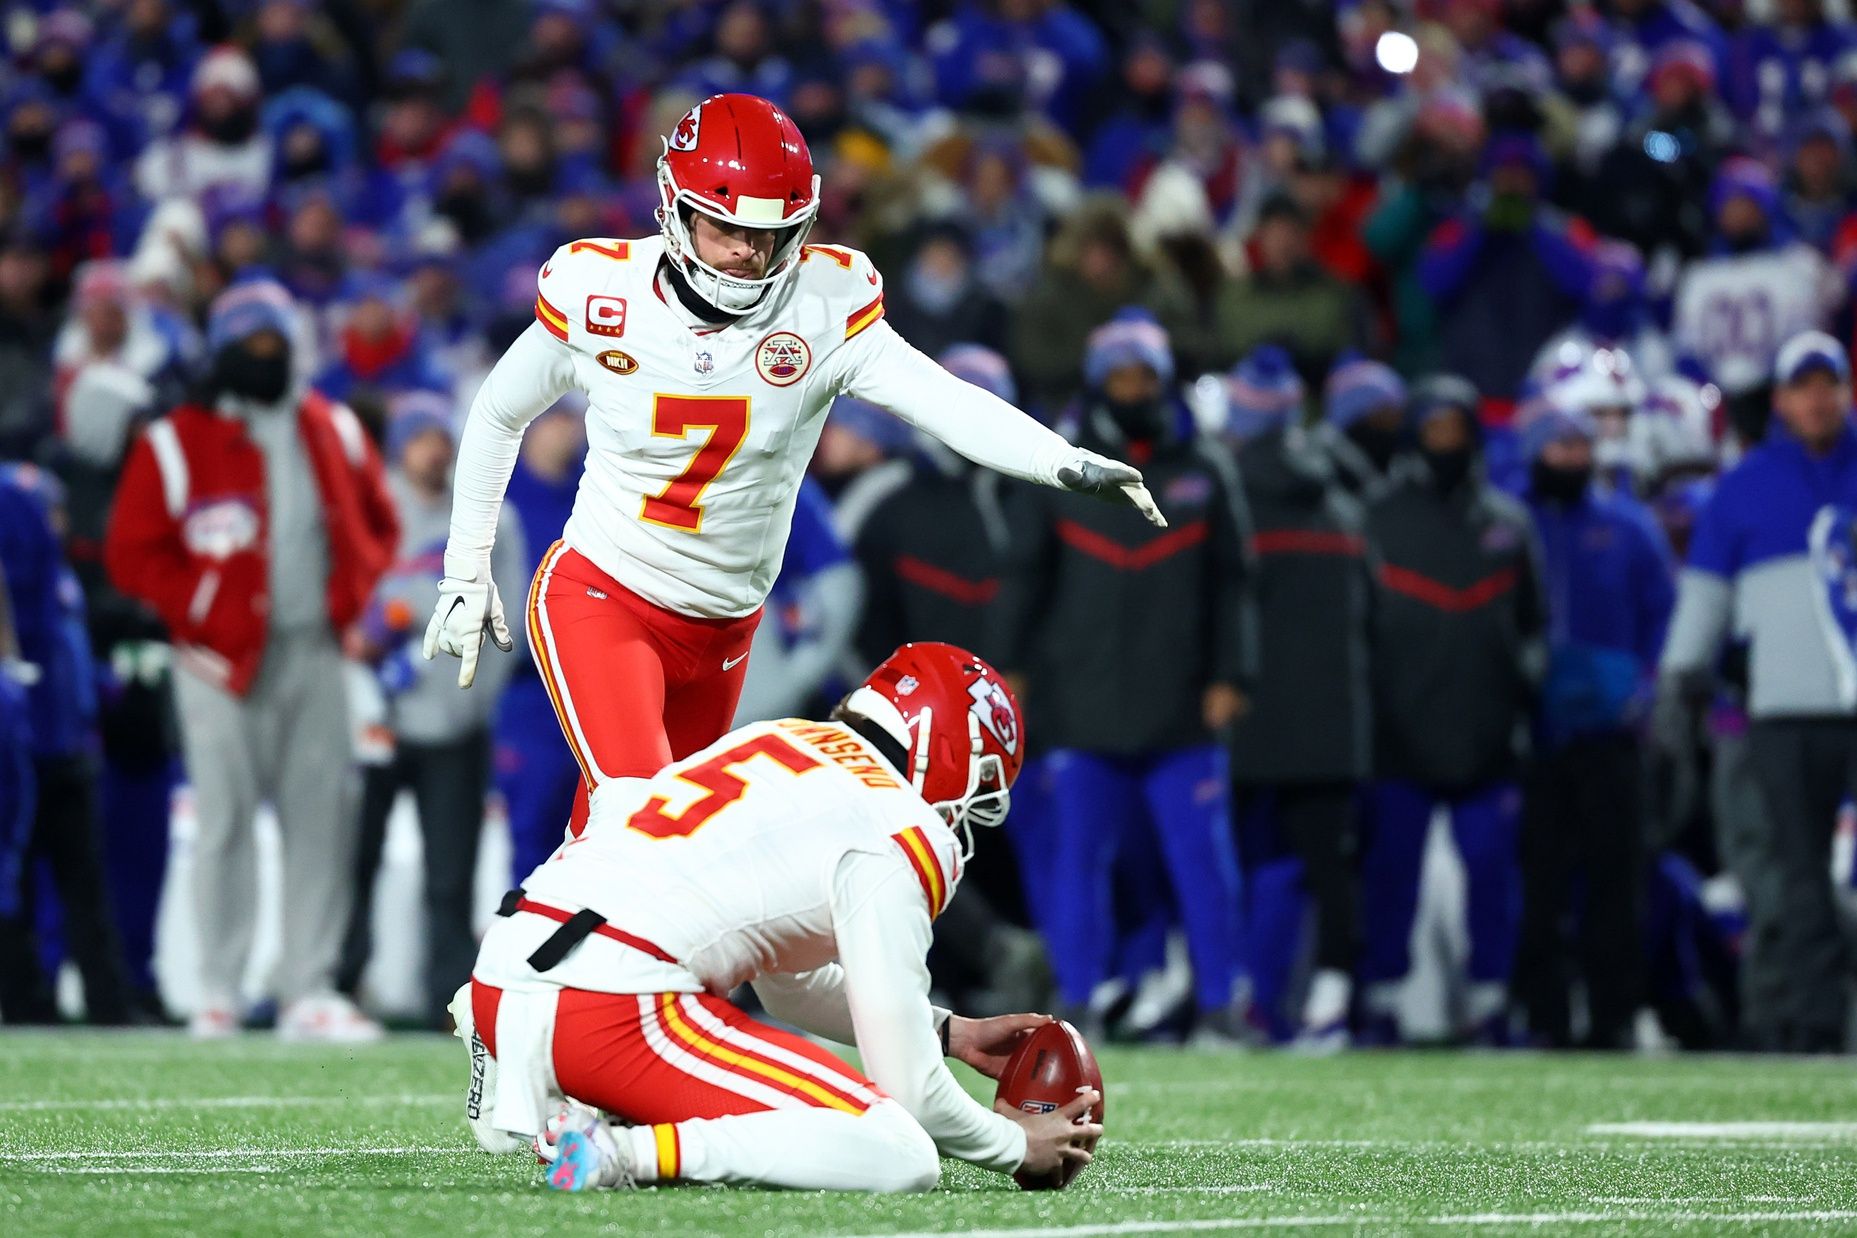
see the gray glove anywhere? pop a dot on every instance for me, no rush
(1111, 480)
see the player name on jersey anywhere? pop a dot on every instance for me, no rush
(843, 749)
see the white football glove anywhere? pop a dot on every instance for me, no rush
(1110, 479)
(466, 608)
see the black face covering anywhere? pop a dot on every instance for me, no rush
(468, 212)
(65, 78)
(1744, 242)
(241, 373)
(1554, 485)
(1448, 468)
(314, 163)
(31, 145)
(1378, 443)
(532, 182)
(233, 127)
(1139, 421)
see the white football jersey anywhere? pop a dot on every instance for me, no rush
(697, 435)
(722, 866)
(696, 439)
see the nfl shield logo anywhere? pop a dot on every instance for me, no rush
(704, 363)
(1833, 547)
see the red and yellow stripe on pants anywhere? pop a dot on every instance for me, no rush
(656, 1059)
(542, 649)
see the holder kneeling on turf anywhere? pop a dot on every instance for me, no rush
(808, 859)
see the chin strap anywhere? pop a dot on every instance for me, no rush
(690, 300)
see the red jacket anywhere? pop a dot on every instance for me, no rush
(189, 536)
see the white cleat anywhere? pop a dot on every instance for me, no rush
(327, 1018)
(585, 1155)
(480, 1096)
(213, 1023)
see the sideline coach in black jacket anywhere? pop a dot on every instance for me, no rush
(1456, 653)
(1299, 757)
(1133, 647)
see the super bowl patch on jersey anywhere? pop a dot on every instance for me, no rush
(782, 358)
(618, 362)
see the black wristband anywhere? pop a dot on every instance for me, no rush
(942, 1032)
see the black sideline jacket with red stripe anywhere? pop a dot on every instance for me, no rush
(1117, 626)
(1457, 629)
(1311, 711)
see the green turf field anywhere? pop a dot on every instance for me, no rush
(144, 1134)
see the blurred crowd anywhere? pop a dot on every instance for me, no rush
(1445, 331)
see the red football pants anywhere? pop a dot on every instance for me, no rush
(664, 1057)
(634, 686)
(716, 1097)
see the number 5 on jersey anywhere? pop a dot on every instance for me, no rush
(721, 785)
(674, 416)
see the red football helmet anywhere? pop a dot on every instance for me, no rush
(957, 724)
(739, 159)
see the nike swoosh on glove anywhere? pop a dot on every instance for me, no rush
(465, 610)
(1111, 480)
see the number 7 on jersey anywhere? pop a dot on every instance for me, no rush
(674, 416)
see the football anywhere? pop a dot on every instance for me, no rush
(1043, 1073)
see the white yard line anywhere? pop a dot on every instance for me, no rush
(227, 1102)
(1462, 1221)
(224, 1154)
(118, 1170)
(1255, 1188)
(1823, 1131)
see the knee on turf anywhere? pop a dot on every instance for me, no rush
(909, 1161)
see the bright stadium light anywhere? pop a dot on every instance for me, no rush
(1397, 52)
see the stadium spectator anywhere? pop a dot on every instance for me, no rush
(1301, 752)
(439, 735)
(1364, 403)
(1780, 68)
(18, 801)
(105, 404)
(1434, 164)
(1287, 298)
(939, 302)
(141, 71)
(1770, 555)
(931, 537)
(1651, 188)
(379, 350)
(222, 145)
(111, 338)
(47, 610)
(1609, 587)
(1129, 698)
(1093, 270)
(1505, 274)
(1756, 288)
(469, 42)
(1455, 652)
(256, 522)
(987, 66)
(27, 328)
(292, 48)
(1817, 177)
